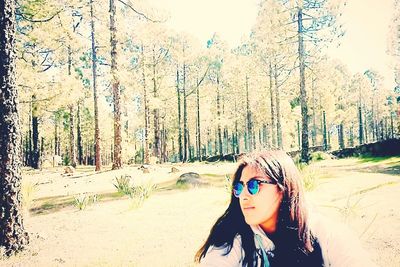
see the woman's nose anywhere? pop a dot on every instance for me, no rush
(245, 195)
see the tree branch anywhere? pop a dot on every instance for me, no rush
(139, 13)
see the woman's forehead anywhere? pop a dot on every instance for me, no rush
(250, 171)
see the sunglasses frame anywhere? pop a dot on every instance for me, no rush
(247, 185)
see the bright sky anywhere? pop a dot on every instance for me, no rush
(364, 45)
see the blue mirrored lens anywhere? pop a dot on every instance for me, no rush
(237, 189)
(252, 186)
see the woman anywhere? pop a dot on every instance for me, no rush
(267, 224)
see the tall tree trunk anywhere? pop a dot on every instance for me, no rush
(179, 116)
(185, 126)
(30, 150)
(248, 118)
(146, 158)
(299, 134)
(325, 137)
(314, 130)
(117, 160)
(79, 135)
(13, 237)
(198, 143)
(278, 110)
(341, 136)
(156, 113)
(305, 157)
(96, 108)
(72, 146)
(360, 127)
(272, 105)
(35, 135)
(219, 118)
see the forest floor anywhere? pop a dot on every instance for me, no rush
(174, 221)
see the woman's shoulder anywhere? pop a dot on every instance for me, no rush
(222, 256)
(340, 245)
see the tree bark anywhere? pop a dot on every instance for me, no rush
(117, 160)
(79, 135)
(96, 108)
(146, 155)
(13, 237)
(305, 157)
(360, 127)
(72, 146)
(35, 135)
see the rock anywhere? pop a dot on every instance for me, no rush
(173, 170)
(69, 170)
(191, 179)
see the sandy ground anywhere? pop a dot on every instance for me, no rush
(172, 224)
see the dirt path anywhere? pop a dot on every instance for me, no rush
(172, 224)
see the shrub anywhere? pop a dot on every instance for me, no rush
(317, 156)
(140, 193)
(28, 189)
(84, 199)
(123, 184)
(310, 177)
(81, 201)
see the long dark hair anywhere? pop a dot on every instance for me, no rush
(292, 238)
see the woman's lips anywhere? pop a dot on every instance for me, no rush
(248, 208)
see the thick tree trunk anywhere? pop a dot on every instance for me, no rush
(146, 155)
(79, 135)
(156, 113)
(117, 160)
(72, 147)
(30, 151)
(360, 127)
(305, 157)
(341, 136)
(325, 137)
(35, 135)
(13, 237)
(96, 108)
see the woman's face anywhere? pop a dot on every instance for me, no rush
(261, 208)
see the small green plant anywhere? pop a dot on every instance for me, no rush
(317, 156)
(81, 201)
(28, 191)
(123, 184)
(140, 193)
(309, 177)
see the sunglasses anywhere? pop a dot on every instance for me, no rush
(253, 186)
